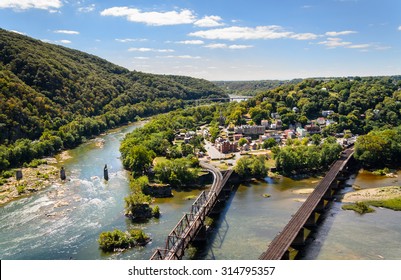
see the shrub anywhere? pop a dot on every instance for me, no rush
(138, 236)
(209, 221)
(7, 174)
(359, 207)
(36, 162)
(2, 181)
(109, 241)
(156, 211)
(394, 204)
(21, 189)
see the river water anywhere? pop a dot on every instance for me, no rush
(65, 220)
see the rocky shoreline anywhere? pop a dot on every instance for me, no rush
(33, 180)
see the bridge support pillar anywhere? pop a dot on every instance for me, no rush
(334, 185)
(312, 220)
(299, 239)
(321, 206)
(327, 195)
(286, 255)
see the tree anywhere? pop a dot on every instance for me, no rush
(177, 172)
(269, 143)
(186, 149)
(214, 132)
(242, 142)
(316, 139)
(139, 159)
(301, 158)
(253, 166)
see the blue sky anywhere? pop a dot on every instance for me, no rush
(222, 39)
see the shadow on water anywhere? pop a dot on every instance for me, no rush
(217, 233)
(318, 236)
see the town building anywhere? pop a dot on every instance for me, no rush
(327, 113)
(321, 121)
(275, 115)
(225, 146)
(301, 132)
(265, 123)
(312, 129)
(250, 130)
(275, 136)
(289, 134)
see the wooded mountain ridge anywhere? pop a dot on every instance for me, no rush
(49, 91)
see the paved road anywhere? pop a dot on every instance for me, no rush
(212, 151)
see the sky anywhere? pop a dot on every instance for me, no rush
(222, 39)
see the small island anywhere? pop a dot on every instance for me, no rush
(386, 197)
(116, 240)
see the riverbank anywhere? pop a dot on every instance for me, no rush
(33, 180)
(373, 194)
(45, 175)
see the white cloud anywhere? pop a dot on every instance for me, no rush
(150, 50)
(239, 47)
(334, 43)
(50, 5)
(304, 36)
(87, 9)
(225, 46)
(216, 46)
(64, 41)
(209, 21)
(128, 40)
(151, 18)
(69, 32)
(360, 46)
(141, 57)
(15, 31)
(182, 56)
(249, 33)
(340, 33)
(191, 42)
(399, 28)
(382, 48)
(188, 57)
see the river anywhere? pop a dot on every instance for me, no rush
(65, 220)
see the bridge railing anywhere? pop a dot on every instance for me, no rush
(188, 226)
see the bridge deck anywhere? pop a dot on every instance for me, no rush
(280, 244)
(188, 227)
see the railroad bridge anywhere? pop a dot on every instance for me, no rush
(193, 222)
(294, 234)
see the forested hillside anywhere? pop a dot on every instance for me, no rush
(358, 104)
(59, 96)
(369, 106)
(251, 88)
